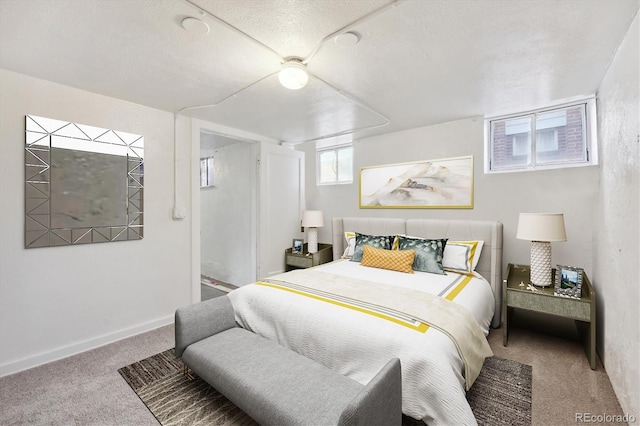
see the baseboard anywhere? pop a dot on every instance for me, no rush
(83, 346)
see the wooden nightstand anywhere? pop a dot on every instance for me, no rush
(306, 260)
(582, 310)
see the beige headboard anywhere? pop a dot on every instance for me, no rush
(489, 265)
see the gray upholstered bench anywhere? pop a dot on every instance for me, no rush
(274, 385)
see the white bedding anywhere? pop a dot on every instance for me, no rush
(357, 344)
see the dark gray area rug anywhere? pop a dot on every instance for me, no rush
(501, 395)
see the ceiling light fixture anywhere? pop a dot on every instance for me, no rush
(195, 26)
(293, 74)
(347, 39)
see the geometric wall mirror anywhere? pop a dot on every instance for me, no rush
(83, 184)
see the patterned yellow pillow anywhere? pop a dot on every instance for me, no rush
(395, 260)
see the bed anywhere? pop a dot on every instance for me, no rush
(353, 318)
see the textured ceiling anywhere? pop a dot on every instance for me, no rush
(418, 62)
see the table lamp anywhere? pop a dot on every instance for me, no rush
(312, 220)
(541, 229)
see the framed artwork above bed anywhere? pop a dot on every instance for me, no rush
(430, 184)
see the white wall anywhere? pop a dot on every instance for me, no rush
(617, 236)
(228, 215)
(497, 197)
(61, 300)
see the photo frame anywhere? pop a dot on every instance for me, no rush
(568, 282)
(297, 246)
(445, 183)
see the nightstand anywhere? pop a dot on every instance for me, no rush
(582, 310)
(307, 260)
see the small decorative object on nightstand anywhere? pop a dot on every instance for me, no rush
(518, 293)
(306, 259)
(296, 247)
(568, 282)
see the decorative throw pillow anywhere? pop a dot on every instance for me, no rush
(462, 256)
(377, 241)
(393, 260)
(350, 237)
(396, 241)
(429, 253)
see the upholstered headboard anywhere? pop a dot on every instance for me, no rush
(489, 265)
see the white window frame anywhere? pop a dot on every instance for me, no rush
(206, 172)
(590, 135)
(335, 149)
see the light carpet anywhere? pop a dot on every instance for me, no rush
(500, 396)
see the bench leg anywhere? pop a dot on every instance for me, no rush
(186, 372)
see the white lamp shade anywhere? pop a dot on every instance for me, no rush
(293, 75)
(541, 227)
(312, 219)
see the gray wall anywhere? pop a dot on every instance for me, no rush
(616, 252)
(502, 197)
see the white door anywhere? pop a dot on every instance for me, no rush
(282, 200)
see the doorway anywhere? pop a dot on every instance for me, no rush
(277, 199)
(228, 213)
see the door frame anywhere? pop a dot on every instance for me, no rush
(268, 220)
(198, 126)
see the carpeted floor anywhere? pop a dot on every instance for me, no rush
(500, 396)
(86, 389)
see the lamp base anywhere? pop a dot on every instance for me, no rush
(312, 236)
(541, 263)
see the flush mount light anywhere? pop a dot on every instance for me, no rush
(347, 39)
(293, 74)
(195, 26)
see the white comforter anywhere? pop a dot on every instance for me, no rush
(358, 345)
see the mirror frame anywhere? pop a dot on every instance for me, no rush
(39, 132)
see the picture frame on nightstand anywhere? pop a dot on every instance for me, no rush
(296, 248)
(568, 282)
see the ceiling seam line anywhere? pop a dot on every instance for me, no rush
(360, 20)
(354, 99)
(387, 121)
(335, 135)
(239, 31)
(226, 97)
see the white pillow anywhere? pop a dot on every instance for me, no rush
(462, 256)
(351, 244)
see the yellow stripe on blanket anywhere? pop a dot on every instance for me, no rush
(457, 289)
(414, 325)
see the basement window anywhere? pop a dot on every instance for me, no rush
(334, 162)
(562, 135)
(206, 172)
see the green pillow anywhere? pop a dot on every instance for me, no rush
(429, 253)
(377, 241)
